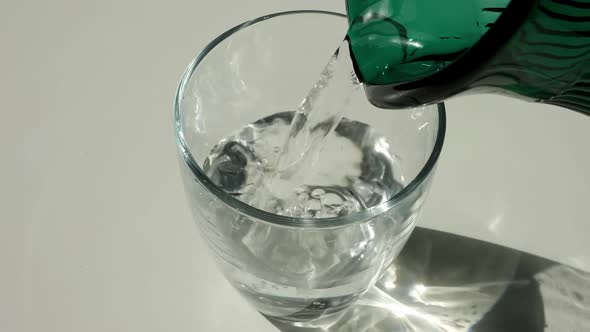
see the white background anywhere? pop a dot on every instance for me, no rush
(95, 233)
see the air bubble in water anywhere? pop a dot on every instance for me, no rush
(332, 200)
(318, 193)
(313, 205)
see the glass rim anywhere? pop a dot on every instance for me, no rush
(265, 216)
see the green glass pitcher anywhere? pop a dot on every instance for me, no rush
(415, 52)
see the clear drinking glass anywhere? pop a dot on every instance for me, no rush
(295, 269)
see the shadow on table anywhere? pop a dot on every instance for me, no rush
(444, 282)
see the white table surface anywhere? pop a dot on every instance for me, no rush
(95, 231)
